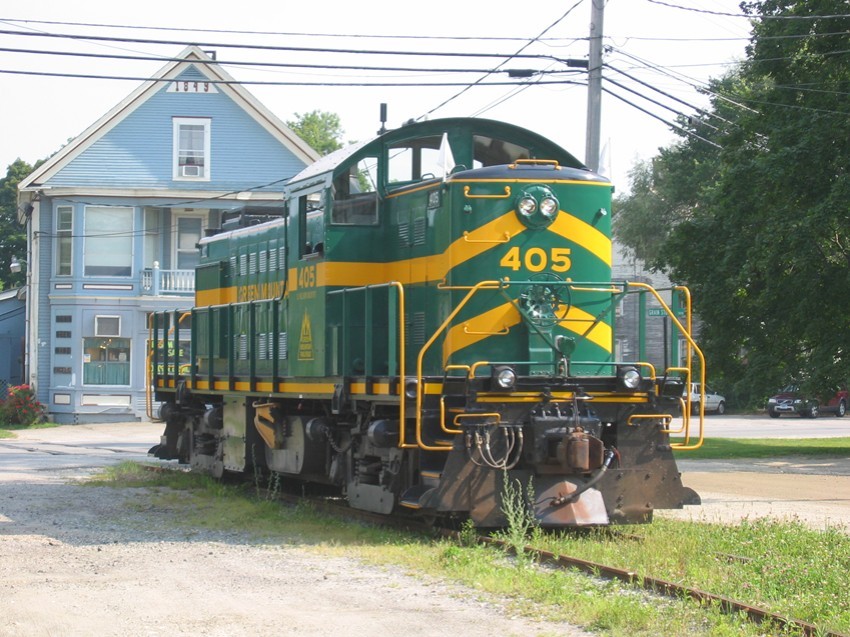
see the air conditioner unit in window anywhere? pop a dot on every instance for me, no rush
(190, 171)
(107, 325)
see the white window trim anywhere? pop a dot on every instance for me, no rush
(87, 248)
(178, 213)
(177, 122)
(97, 322)
(59, 235)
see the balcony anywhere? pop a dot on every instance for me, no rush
(158, 282)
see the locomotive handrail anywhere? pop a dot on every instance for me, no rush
(505, 330)
(684, 446)
(506, 237)
(551, 162)
(152, 357)
(482, 285)
(469, 195)
(652, 373)
(401, 328)
(667, 417)
(684, 426)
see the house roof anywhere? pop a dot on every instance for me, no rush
(188, 57)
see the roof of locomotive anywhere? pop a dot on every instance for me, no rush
(454, 126)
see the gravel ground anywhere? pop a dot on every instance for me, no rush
(82, 561)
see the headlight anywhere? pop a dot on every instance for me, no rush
(527, 205)
(771, 401)
(629, 377)
(411, 388)
(505, 377)
(549, 206)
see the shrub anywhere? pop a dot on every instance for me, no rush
(21, 406)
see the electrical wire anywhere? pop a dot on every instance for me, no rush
(515, 55)
(338, 67)
(278, 33)
(416, 84)
(261, 47)
(744, 15)
(661, 119)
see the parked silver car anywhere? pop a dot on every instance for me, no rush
(713, 401)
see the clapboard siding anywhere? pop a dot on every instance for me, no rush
(137, 152)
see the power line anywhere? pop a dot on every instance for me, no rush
(661, 119)
(152, 58)
(744, 15)
(518, 54)
(281, 33)
(417, 84)
(260, 47)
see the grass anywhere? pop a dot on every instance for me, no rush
(782, 566)
(7, 430)
(731, 449)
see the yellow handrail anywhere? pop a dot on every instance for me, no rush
(469, 195)
(483, 285)
(684, 446)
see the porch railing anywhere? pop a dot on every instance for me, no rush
(156, 281)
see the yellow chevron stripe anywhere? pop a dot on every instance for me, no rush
(506, 315)
(434, 267)
(585, 235)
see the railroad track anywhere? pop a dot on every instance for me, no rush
(653, 584)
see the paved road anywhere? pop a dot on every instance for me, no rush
(762, 426)
(75, 447)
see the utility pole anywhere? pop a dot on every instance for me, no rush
(594, 85)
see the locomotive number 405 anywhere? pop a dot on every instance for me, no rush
(307, 277)
(537, 259)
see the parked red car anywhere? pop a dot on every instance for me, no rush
(791, 401)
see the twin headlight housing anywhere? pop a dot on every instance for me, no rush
(537, 206)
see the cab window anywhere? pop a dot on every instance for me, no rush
(311, 224)
(355, 196)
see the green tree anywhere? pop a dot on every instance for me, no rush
(320, 129)
(762, 235)
(13, 238)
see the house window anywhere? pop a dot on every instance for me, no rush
(153, 236)
(191, 148)
(106, 361)
(64, 229)
(108, 243)
(189, 232)
(107, 325)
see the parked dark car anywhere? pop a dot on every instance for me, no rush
(792, 401)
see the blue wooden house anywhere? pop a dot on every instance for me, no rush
(114, 219)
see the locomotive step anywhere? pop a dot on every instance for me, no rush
(414, 496)
(430, 477)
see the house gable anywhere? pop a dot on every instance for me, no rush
(132, 145)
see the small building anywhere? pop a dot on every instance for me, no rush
(12, 329)
(114, 219)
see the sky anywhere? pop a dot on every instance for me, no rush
(661, 49)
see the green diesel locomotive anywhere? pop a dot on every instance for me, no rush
(432, 317)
